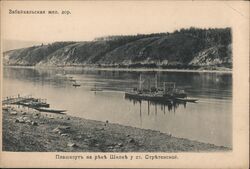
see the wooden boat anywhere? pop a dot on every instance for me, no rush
(34, 104)
(76, 85)
(50, 110)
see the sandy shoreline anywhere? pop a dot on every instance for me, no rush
(32, 131)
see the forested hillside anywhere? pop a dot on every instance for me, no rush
(186, 48)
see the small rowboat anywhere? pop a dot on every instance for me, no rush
(50, 110)
(76, 85)
(186, 99)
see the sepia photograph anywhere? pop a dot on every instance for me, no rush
(111, 79)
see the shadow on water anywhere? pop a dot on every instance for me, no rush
(170, 106)
(151, 107)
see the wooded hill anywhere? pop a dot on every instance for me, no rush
(191, 48)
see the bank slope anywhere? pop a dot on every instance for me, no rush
(186, 48)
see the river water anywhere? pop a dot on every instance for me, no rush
(209, 120)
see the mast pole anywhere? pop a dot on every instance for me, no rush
(140, 83)
(156, 81)
(148, 84)
(164, 87)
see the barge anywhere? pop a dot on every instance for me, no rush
(169, 93)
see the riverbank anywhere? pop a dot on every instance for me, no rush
(32, 131)
(219, 70)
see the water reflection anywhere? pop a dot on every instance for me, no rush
(205, 85)
(171, 106)
(210, 120)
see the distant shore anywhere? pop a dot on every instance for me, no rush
(32, 131)
(223, 70)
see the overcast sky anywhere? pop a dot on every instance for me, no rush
(100, 18)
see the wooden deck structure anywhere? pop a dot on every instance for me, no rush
(20, 100)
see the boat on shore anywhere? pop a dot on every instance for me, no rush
(49, 110)
(34, 104)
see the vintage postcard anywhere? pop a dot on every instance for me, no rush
(125, 84)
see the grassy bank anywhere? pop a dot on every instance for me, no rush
(29, 131)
